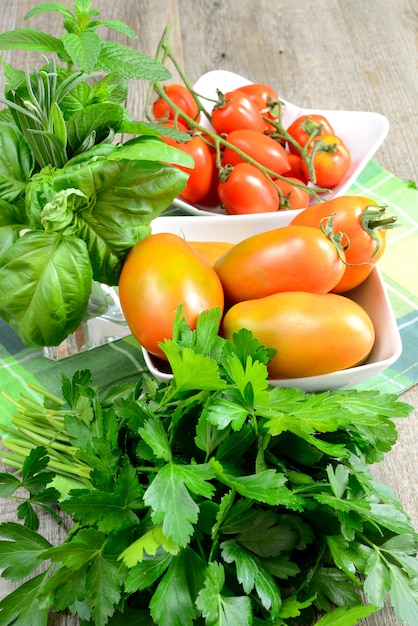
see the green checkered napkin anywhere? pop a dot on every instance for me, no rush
(20, 365)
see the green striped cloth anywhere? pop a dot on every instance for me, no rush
(20, 365)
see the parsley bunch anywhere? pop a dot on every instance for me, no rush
(213, 499)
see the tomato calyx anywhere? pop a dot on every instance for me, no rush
(326, 226)
(373, 219)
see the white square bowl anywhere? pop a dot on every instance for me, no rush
(371, 295)
(363, 132)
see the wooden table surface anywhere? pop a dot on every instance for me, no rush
(327, 54)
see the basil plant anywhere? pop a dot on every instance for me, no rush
(74, 197)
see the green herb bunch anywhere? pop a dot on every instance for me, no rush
(212, 499)
(74, 198)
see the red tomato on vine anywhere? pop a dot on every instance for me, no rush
(244, 188)
(331, 160)
(182, 97)
(200, 177)
(235, 110)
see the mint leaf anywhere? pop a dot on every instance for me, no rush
(83, 49)
(28, 39)
(218, 609)
(130, 63)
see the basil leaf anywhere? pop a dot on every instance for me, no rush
(101, 121)
(45, 283)
(16, 162)
(123, 198)
(11, 223)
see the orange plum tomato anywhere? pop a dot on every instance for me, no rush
(235, 110)
(331, 160)
(182, 97)
(200, 176)
(264, 149)
(313, 334)
(291, 258)
(295, 193)
(159, 273)
(246, 189)
(306, 127)
(210, 250)
(363, 224)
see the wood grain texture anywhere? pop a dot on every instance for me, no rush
(335, 54)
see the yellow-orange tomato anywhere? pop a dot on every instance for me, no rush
(161, 272)
(210, 250)
(313, 334)
(291, 258)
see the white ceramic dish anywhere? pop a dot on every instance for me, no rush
(371, 295)
(362, 131)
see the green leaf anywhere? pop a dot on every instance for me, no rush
(94, 122)
(251, 574)
(83, 49)
(223, 413)
(79, 549)
(267, 486)
(251, 373)
(21, 606)
(44, 7)
(173, 601)
(34, 474)
(123, 198)
(333, 588)
(346, 616)
(23, 553)
(218, 609)
(154, 435)
(109, 510)
(28, 39)
(147, 545)
(119, 59)
(8, 485)
(208, 437)
(191, 371)
(119, 26)
(45, 283)
(338, 479)
(170, 500)
(16, 162)
(377, 581)
(147, 571)
(403, 596)
(148, 148)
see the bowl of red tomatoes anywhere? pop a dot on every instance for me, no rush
(330, 330)
(306, 155)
